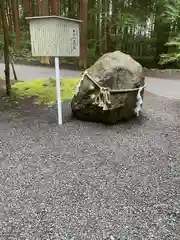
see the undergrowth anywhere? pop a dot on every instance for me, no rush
(45, 90)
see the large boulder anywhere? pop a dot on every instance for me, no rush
(111, 90)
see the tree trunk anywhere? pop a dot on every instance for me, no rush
(161, 31)
(84, 29)
(27, 8)
(99, 25)
(8, 14)
(54, 7)
(44, 11)
(106, 15)
(114, 25)
(15, 10)
(103, 30)
(71, 12)
(6, 50)
(34, 8)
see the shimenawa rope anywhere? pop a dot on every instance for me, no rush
(103, 99)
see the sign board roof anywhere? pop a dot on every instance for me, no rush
(55, 17)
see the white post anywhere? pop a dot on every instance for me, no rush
(58, 89)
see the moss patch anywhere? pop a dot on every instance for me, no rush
(45, 89)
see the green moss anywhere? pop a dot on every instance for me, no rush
(45, 89)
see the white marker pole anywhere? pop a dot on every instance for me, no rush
(58, 89)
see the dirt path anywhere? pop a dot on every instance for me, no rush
(27, 72)
(164, 87)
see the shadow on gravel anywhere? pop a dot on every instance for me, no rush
(28, 110)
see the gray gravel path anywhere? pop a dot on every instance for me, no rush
(86, 180)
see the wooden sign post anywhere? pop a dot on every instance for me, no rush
(54, 36)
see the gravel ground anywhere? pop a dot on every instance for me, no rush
(87, 181)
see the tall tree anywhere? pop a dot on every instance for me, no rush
(6, 48)
(27, 4)
(84, 30)
(15, 9)
(44, 11)
(55, 7)
(162, 31)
